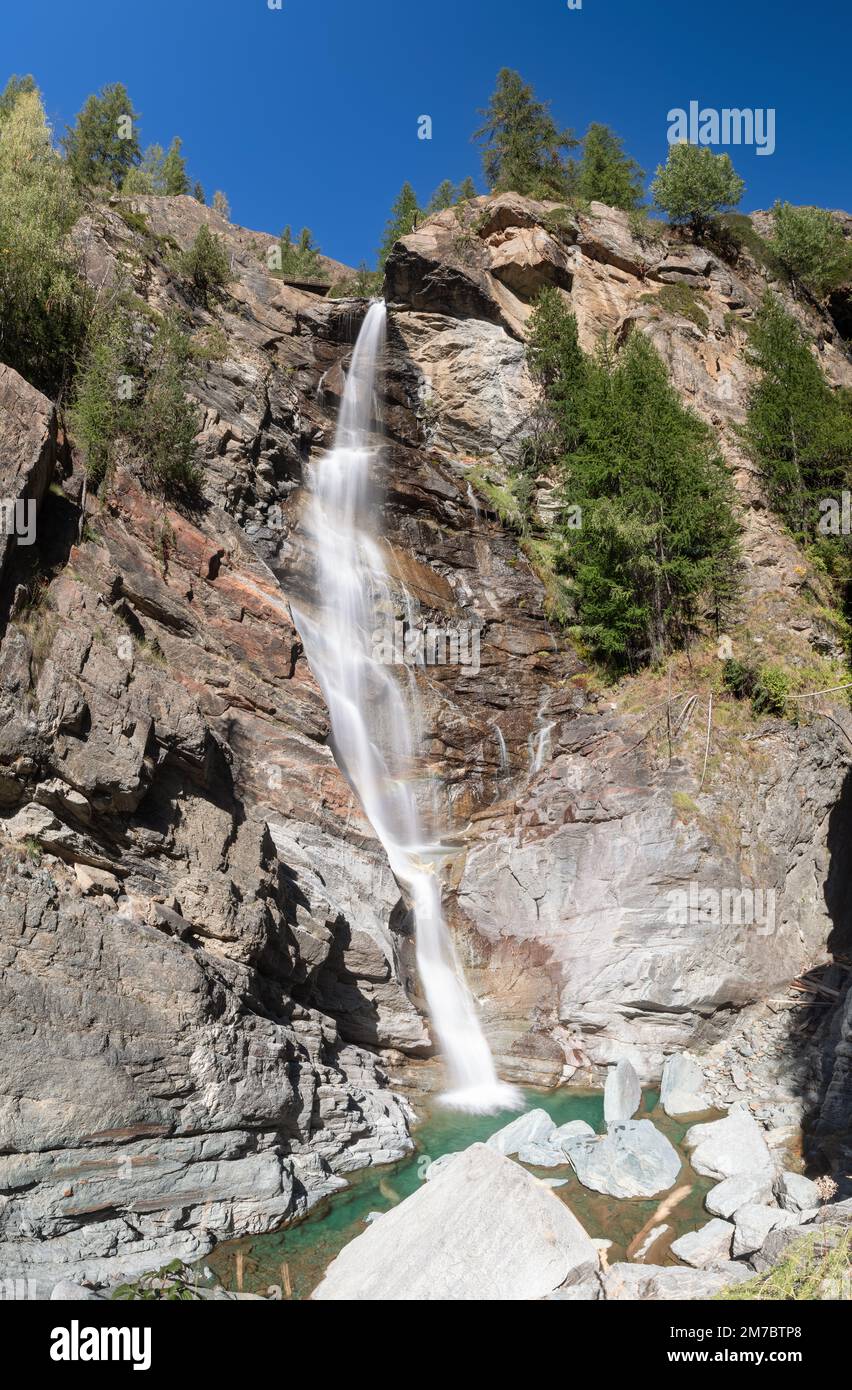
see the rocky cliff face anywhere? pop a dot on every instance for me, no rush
(207, 966)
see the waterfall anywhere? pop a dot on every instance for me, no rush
(375, 719)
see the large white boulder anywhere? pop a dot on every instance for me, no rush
(725, 1148)
(683, 1088)
(728, 1196)
(622, 1093)
(534, 1127)
(484, 1229)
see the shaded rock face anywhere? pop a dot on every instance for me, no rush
(190, 893)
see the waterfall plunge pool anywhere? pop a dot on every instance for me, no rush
(307, 1247)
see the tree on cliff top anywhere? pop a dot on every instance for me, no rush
(606, 174)
(522, 145)
(14, 88)
(810, 244)
(403, 219)
(102, 146)
(694, 185)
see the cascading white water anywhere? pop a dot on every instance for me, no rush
(373, 718)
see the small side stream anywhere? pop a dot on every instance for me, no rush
(308, 1247)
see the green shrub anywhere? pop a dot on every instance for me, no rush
(100, 413)
(44, 303)
(739, 678)
(206, 265)
(682, 300)
(167, 422)
(771, 691)
(818, 1266)
(810, 244)
(643, 228)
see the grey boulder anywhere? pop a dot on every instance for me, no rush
(796, 1192)
(710, 1245)
(535, 1127)
(728, 1196)
(675, 1282)
(483, 1229)
(753, 1224)
(725, 1148)
(631, 1160)
(683, 1088)
(622, 1093)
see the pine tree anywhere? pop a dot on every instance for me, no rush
(198, 193)
(444, 197)
(798, 432)
(694, 185)
(403, 220)
(466, 190)
(206, 264)
(606, 174)
(522, 145)
(102, 146)
(146, 177)
(657, 542)
(173, 172)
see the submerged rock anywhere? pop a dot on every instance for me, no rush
(484, 1229)
(622, 1093)
(683, 1089)
(632, 1160)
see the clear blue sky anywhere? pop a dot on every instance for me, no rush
(308, 115)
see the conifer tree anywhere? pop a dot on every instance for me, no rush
(522, 145)
(658, 540)
(102, 146)
(403, 220)
(799, 431)
(173, 172)
(606, 174)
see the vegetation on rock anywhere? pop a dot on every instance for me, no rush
(657, 546)
(694, 185)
